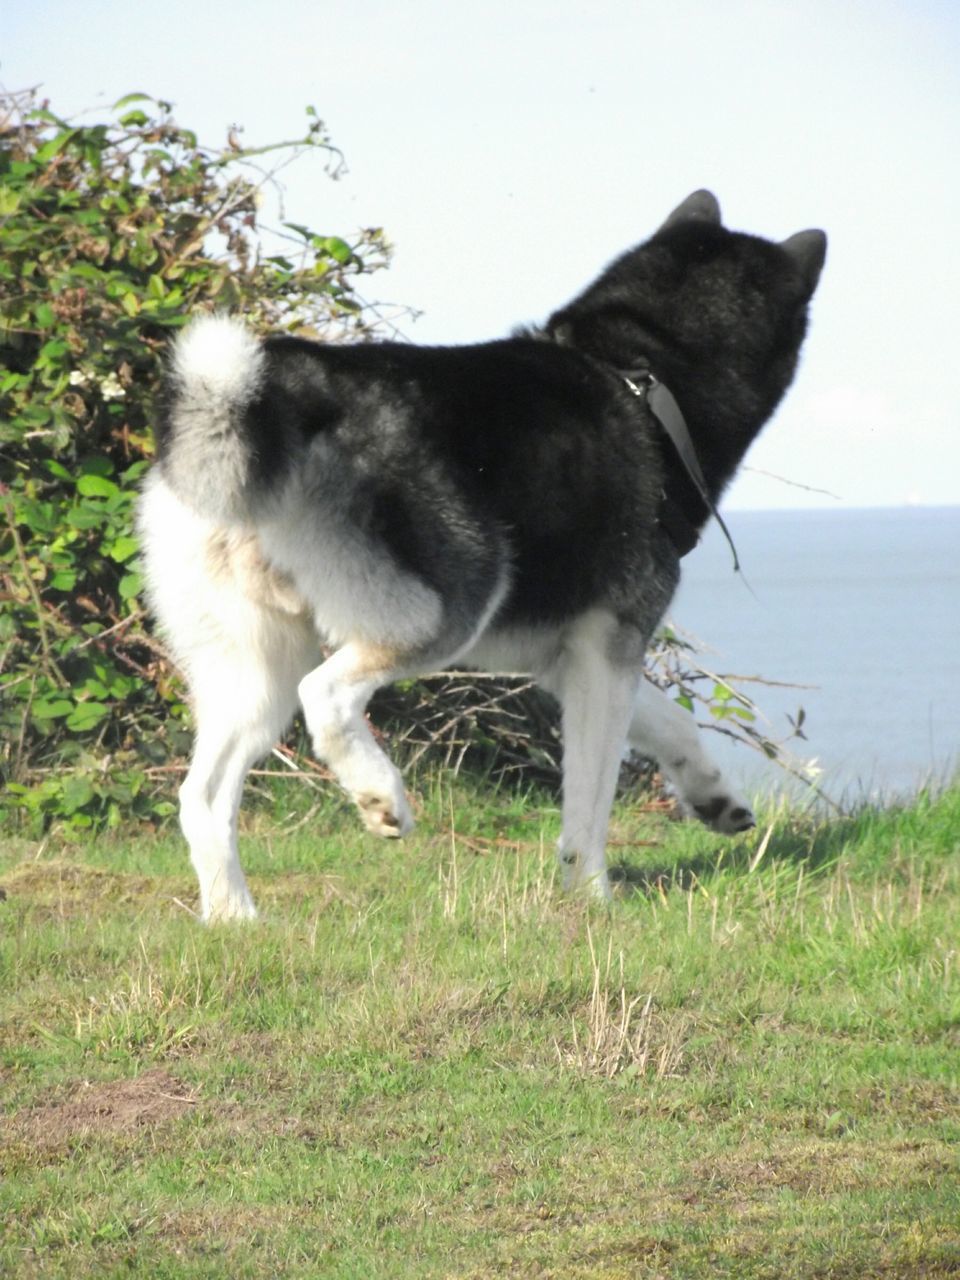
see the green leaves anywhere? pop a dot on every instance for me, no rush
(96, 487)
(112, 233)
(86, 715)
(79, 716)
(55, 145)
(725, 703)
(123, 548)
(338, 249)
(325, 247)
(130, 586)
(131, 97)
(44, 315)
(51, 708)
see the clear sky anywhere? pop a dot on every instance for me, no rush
(511, 149)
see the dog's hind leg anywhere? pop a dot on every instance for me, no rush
(435, 629)
(243, 638)
(663, 731)
(334, 699)
(224, 751)
(243, 701)
(596, 679)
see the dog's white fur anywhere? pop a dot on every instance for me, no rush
(249, 643)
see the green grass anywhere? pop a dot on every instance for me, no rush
(424, 1061)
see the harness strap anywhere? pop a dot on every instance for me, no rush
(661, 403)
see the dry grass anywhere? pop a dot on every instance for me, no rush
(618, 1032)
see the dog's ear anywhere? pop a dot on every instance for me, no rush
(702, 206)
(560, 329)
(808, 249)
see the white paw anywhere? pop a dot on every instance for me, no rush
(227, 907)
(578, 877)
(387, 816)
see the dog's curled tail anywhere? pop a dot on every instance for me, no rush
(206, 448)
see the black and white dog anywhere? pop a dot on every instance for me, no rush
(515, 505)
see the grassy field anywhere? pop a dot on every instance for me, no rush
(423, 1061)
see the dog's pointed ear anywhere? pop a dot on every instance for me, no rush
(702, 206)
(808, 249)
(561, 330)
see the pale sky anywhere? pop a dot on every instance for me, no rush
(510, 150)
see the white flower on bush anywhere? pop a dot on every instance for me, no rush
(111, 387)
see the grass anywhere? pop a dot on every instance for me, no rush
(424, 1061)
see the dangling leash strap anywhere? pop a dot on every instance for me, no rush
(669, 415)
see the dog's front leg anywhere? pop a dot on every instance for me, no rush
(597, 694)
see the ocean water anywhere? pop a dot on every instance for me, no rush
(863, 605)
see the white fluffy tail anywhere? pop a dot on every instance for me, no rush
(218, 356)
(205, 447)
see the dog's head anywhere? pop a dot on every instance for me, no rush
(701, 305)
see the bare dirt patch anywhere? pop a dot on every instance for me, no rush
(68, 888)
(115, 1107)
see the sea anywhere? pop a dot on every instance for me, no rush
(859, 610)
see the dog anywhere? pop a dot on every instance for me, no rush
(515, 505)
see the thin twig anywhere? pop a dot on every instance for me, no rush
(794, 484)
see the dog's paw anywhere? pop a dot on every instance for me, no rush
(387, 816)
(727, 814)
(228, 907)
(581, 878)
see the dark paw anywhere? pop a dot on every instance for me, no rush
(712, 810)
(725, 815)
